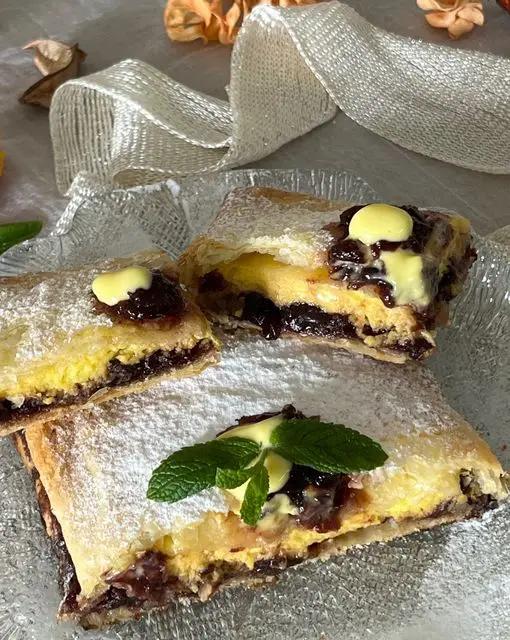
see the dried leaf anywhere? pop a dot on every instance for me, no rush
(187, 20)
(58, 62)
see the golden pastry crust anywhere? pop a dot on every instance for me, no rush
(270, 259)
(58, 347)
(283, 224)
(95, 465)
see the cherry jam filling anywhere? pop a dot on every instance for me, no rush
(164, 299)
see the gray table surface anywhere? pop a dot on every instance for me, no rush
(110, 30)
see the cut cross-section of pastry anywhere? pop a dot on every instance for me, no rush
(69, 337)
(375, 278)
(123, 553)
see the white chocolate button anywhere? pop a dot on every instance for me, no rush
(380, 222)
(278, 470)
(404, 270)
(277, 467)
(114, 286)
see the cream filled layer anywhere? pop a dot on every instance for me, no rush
(85, 356)
(286, 284)
(428, 484)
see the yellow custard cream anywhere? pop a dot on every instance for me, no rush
(114, 286)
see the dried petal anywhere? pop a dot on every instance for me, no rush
(191, 19)
(64, 65)
(458, 16)
(460, 27)
(505, 4)
(50, 55)
(472, 14)
(440, 20)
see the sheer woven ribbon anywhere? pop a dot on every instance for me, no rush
(291, 68)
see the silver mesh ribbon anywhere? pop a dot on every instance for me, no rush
(291, 68)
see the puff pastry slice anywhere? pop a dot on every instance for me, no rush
(61, 347)
(375, 279)
(122, 554)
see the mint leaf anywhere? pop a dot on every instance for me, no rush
(232, 478)
(193, 469)
(227, 453)
(171, 482)
(256, 495)
(325, 446)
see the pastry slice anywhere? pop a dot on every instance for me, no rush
(417, 464)
(93, 333)
(374, 279)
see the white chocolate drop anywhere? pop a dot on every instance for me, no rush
(278, 470)
(380, 222)
(114, 286)
(258, 431)
(404, 270)
(277, 467)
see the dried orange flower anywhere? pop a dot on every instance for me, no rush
(187, 20)
(458, 16)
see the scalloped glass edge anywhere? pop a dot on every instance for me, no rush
(451, 581)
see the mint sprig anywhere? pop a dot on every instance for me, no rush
(256, 495)
(228, 463)
(193, 469)
(325, 446)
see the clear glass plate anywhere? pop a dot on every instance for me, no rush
(452, 582)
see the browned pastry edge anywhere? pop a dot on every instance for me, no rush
(115, 605)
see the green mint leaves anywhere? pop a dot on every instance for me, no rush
(256, 495)
(326, 447)
(228, 463)
(193, 469)
(15, 232)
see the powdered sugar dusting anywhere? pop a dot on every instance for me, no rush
(47, 311)
(42, 311)
(292, 231)
(107, 453)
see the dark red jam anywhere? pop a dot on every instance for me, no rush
(318, 496)
(118, 374)
(164, 299)
(351, 261)
(302, 318)
(146, 579)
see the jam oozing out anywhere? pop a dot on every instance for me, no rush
(318, 497)
(302, 318)
(164, 299)
(359, 265)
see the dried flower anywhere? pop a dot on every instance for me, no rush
(458, 16)
(57, 62)
(187, 20)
